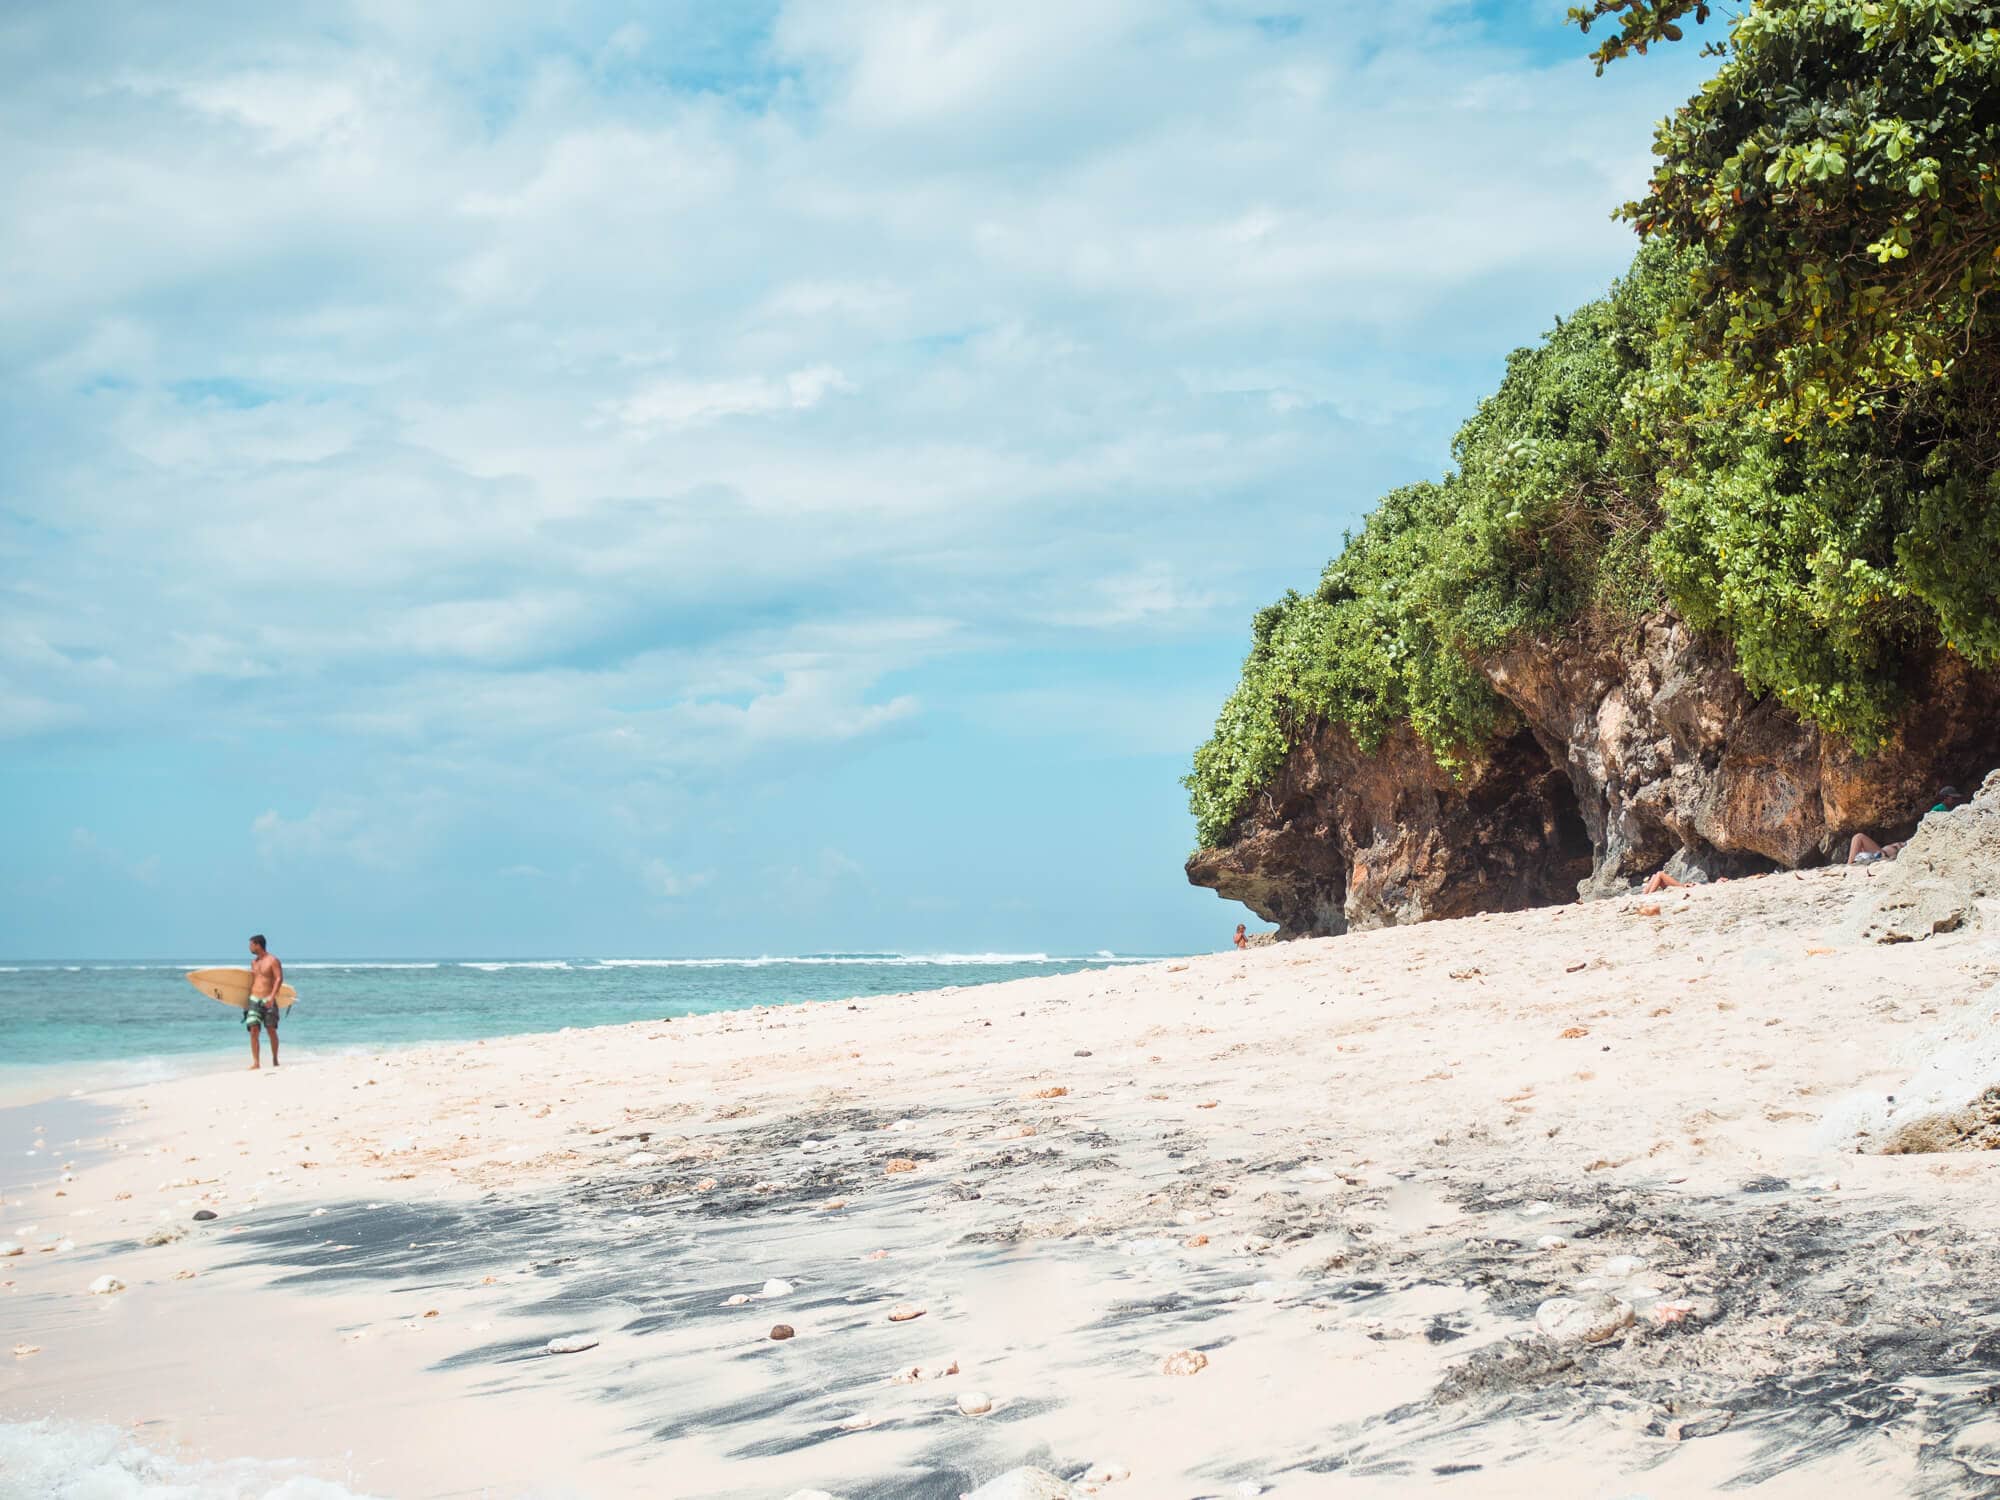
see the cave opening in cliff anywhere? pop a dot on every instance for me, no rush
(1572, 853)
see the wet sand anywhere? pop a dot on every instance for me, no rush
(1348, 1174)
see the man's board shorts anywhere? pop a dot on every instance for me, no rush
(261, 1013)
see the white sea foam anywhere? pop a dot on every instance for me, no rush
(497, 964)
(361, 966)
(72, 1461)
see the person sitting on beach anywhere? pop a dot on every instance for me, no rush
(267, 977)
(1862, 850)
(1659, 881)
(1242, 938)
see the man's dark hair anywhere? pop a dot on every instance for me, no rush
(1950, 794)
(258, 939)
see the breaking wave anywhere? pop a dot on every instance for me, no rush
(74, 1461)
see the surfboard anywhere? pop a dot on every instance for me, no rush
(232, 987)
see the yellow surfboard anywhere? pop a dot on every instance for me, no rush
(232, 987)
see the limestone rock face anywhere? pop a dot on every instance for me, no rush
(1632, 751)
(1346, 838)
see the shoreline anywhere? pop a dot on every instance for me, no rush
(1348, 1174)
(355, 1015)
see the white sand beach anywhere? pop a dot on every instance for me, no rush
(1337, 1180)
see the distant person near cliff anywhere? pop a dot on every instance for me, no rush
(267, 978)
(1242, 938)
(1862, 850)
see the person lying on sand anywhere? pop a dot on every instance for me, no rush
(1862, 850)
(267, 977)
(1659, 881)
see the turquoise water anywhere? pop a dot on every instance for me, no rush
(104, 1023)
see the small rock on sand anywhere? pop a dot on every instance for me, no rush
(11, 1247)
(1023, 1484)
(1552, 1242)
(641, 1159)
(1184, 1362)
(104, 1286)
(574, 1343)
(203, 1215)
(1585, 1320)
(782, 1331)
(899, 1164)
(739, 1299)
(22, 1351)
(166, 1234)
(904, 1312)
(777, 1288)
(974, 1403)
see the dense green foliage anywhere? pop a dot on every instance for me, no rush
(1781, 422)
(1838, 176)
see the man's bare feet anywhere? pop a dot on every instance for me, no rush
(254, 1068)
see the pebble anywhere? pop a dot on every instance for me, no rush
(166, 1234)
(11, 1247)
(203, 1215)
(861, 1421)
(1184, 1362)
(1624, 1265)
(642, 1159)
(1195, 1241)
(22, 1351)
(104, 1286)
(1586, 1320)
(574, 1343)
(736, 1300)
(974, 1403)
(1023, 1484)
(782, 1331)
(1108, 1473)
(776, 1288)
(903, 1312)
(1552, 1242)
(899, 1164)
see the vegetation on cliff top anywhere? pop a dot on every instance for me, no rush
(1783, 422)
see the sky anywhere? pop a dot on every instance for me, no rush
(506, 478)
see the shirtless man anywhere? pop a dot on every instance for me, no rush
(267, 977)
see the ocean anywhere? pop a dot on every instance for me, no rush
(92, 1025)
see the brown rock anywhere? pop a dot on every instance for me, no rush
(781, 1331)
(900, 1164)
(905, 1312)
(1184, 1362)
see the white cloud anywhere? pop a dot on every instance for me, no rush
(693, 403)
(664, 883)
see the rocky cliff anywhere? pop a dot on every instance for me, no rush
(1626, 753)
